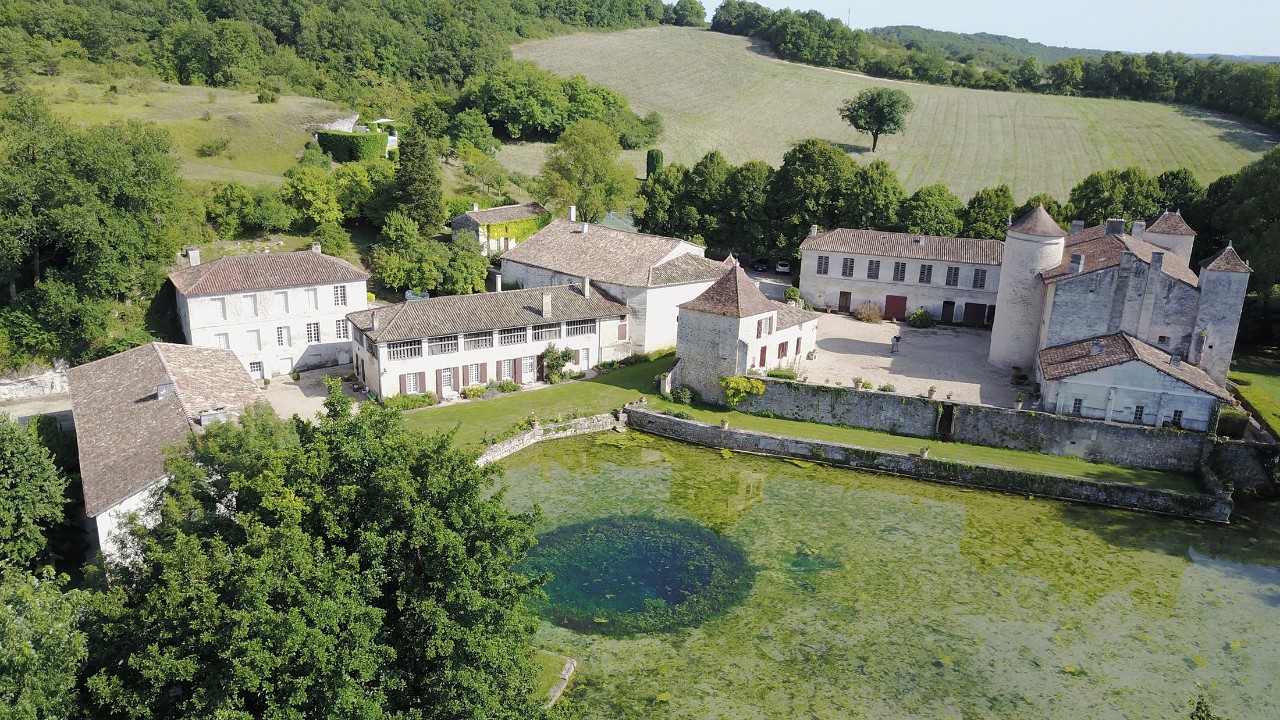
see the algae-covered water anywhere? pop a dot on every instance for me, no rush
(882, 597)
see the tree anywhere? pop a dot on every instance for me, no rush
(471, 128)
(878, 111)
(1200, 710)
(704, 190)
(1029, 74)
(403, 259)
(988, 212)
(583, 169)
(1062, 214)
(687, 13)
(747, 222)
(31, 495)
(873, 198)
(808, 189)
(1250, 219)
(652, 161)
(467, 269)
(1180, 190)
(418, 191)
(1130, 194)
(43, 645)
(313, 194)
(662, 201)
(349, 567)
(932, 210)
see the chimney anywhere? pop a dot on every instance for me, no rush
(475, 207)
(1097, 348)
(813, 230)
(1077, 263)
(584, 228)
(586, 287)
(1157, 261)
(374, 315)
(315, 248)
(165, 389)
(1115, 226)
(209, 417)
(497, 282)
(573, 213)
(546, 303)
(193, 254)
(1175, 361)
(1139, 229)
(1076, 226)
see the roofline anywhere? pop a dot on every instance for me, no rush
(595, 280)
(270, 287)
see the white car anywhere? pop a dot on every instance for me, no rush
(782, 267)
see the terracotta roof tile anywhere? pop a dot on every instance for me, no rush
(123, 425)
(264, 271)
(608, 255)
(686, 268)
(734, 295)
(1099, 251)
(789, 316)
(1227, 260)
(1110, 350)
(1037, 223)
(1170, 223)
(907, 246)
(506, 213)
(455, 314)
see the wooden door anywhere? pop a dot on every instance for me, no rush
(895, 307)
(846, 300)
(975, 314)
(764, 355)
(542, 370)
(948, 312)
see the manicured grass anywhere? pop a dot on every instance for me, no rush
(718, 91)
(476, 421)
(547, 672)
(1258, 382)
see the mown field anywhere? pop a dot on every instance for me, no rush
(722, 92)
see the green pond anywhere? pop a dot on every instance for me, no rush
(871, 596)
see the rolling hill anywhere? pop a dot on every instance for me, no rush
(725, 92)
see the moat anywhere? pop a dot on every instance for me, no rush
(881, 597)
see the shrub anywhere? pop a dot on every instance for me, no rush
(296, 376)
(782, 374)
(920, 319)
(471, 392)
(682, 395)
(334, 239)
(214, 147)
(394, 155)
(792, 294)
(508, 386)
(887, 387)
(409, 402)
(553, 362)
(349, 147)
(868, 312)
(268, 95)
(738, 387)
(678, 414)
(1233, 422)
(866, 385)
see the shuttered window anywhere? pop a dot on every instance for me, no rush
(824, 263)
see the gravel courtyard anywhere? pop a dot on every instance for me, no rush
(952, 358)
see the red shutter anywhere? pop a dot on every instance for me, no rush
(797, 347)
(422, 382)
(484, 373)
(457, 378)
(518, 367)
(439, 383)
(622, 327)
(403, 384)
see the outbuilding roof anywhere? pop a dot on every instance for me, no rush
(1110, 350)
(735, 295)
(613, 256)
(264, 271)
(506, 213)
(129, 407)
(907, 246)
(456, 314)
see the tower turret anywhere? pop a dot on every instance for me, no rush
(1032, 244)
(1224, 278)
(1172, 233)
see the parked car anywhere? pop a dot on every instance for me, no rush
(782, 267)
(760, 264)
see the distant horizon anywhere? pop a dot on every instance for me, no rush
(1193, 27)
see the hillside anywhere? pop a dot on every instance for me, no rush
(1011, 50)
(723, 92)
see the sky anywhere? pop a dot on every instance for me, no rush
(1227, 27)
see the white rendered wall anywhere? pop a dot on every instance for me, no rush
(1179, 246)
(110, 522)
(1113, 394)
(1020, 300)
(823, 291)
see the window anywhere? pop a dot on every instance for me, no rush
(477, 340)
(579, 327)
(282, 301)
(404, 349)
(926, 274)
(873, 269)
(584, 358)
(442, 345)
(953, 276)
(255, 369)
(550, 331)
(340, 295)
(764, 326)
(313, 332)
(411, 386)
(282, 336)
(782, 350)
(1077, 406)
(846, 267)
(979, 279)
(528, 368)
(446, 379)
(1163, 339)
(899, 272)
(341, 330)
(472, 374)
(313, 299)
(251, 305)
(223, 340)
(504, 370)
(255, 339)
(824, 264)
(1177, 418)
(513, 336)
(1139, 412)
(219, 307)
(622, 327)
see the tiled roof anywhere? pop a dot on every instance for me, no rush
(1171, 223)
(1110, 350)
(1100, 251)
(264, 271)
(122, 424)
(907, 246)
(1227, 260)
(686, 268)
(608, 255)
(454, 314)
(506, 213)
(1037, 223)
(789, 316)
(735, 295)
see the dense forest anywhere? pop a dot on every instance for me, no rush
(984, 47)
(1249, 90)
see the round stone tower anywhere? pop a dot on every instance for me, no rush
(1032, 244)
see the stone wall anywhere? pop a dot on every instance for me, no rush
(831, 405)
(555, 431)
(1096, 492)
(1248, 466)
(34, 381)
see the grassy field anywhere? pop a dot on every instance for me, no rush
(476, 423)
(265, 139)
(1258, 381)
(722, 92)
(548, 666)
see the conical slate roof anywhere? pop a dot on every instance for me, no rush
(1170, 223)
(735, 295)
(1227, 260)
(1037, 223)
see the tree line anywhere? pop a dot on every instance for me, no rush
(1250, 90)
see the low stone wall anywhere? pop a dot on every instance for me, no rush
(34, 381)
(834, 405)
(569, 428)
(1096, 492)
(1249, 467)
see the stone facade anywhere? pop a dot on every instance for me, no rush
(1132, 392)
(1021, 299)
(835, 290)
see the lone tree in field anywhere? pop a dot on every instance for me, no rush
(879, 111)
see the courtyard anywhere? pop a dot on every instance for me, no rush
(954, 359)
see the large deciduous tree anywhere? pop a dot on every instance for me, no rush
(43, 647)
(873, 198)
(988, 212)
(1130, 194)
(932, 210)
(878, 111)
(31, 495)
(583, 169)
(1250, 216)
(808, 189)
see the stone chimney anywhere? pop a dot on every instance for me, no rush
(475, 207)
(209, 417)
(1157, 262)
(315, 248)
(1077, 263)
(573, 213)
(813, 230)
(193, 255)
(374, 316)
(1175, 361)
(165, 389)
(546, 303)
(1139, 229)
(586, 287)
(1076, 226)
(584, 228)
(1115, 226)
(497, 282)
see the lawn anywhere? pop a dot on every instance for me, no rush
(1257, 380)
(719, 91)
(547, 668)
(478, 421)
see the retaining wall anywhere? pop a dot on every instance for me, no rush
(1130, 497)
(569, 428)
(34, 381)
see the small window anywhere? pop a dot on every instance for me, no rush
(1139, 413)
(824, 263)
(411, 386)
(926, 274)
(782, 350)
(340, 295)
(255, 369)
(573, 328)
(979, 279)
(446, 379)
(341, 330)
(223, 340)
(313, 332)
(473, 374)
(282, 336)
(1177, 418)
(899, 271)
(953, 276)
(873, 269)
(622, 327)
(550, 331)
(220, 307)
(760, 328)
(442, 345)
(846, 267)
(1163, 339)
(1077, 406)
(513, 336)
(477, 340)
(251, 305)
(504, 370)
(313, 299)
(282, 301)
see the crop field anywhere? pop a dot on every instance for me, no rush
(724, 92)
(264, 139)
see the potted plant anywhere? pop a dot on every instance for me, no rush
(933, 390)
(924, 452)
(1017, 401)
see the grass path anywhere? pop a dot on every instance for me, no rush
(723, 92)
(477, 422)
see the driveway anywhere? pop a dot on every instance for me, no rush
(773, 286)
(952, 358)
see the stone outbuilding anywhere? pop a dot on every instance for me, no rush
(499, 229)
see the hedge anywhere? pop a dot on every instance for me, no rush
(348, 147)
